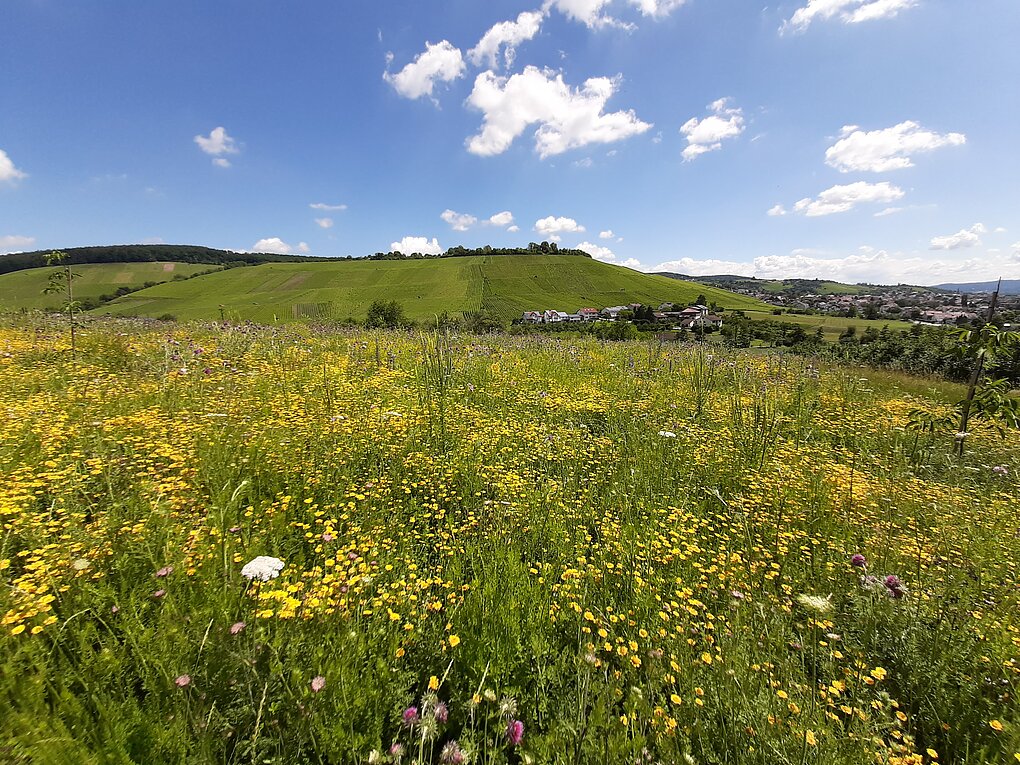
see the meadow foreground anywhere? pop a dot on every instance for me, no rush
(239, 544)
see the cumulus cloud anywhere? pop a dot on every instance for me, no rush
(552, 225)
(606, 234)
(458, 221)
(657, 8)
(324, 222)
(279, 247)
(567, 118)
(412, 244)
(327, 208)
(865, 265)
(890, 149)
(506, 35)
(598, 252)
(216, 144)
(8, 172)
(441, 62)
(14, 243)
(708, 133)
(848, 11)
(464, 221)
(605, 255)
(968, 237)
(839, 199)
(590, 12)
(514, 229)
(777, 211)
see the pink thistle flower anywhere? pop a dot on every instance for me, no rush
(318, 683)
(441, 712)
(858, 561)
(327, 537)
(182, 681)
(397, 750)
(452, 754)
(165, 572)
(515, 732)
(237, 627)
(159, 594)
(410, 716)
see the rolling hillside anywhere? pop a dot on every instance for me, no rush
(24, 289)
(504, 286)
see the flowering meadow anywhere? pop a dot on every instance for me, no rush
(227, 544)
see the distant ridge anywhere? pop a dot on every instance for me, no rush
(1009, 287)
(146, 253)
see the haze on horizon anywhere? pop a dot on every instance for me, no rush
(854, 140)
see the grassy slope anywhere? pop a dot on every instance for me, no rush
(24, 289)
(505, 286)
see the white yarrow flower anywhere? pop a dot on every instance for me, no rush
(667, 434)
(262, 568)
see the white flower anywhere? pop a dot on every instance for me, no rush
(667, 434)
(815, 603)
(262, 568)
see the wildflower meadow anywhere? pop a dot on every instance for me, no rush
(240, 544)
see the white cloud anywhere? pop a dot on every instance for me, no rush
(279, 247)
(589, 12)
(507, 35)
(324, 222)
(324, 207)
(567, 118)
(598, 252)
(464, 221)
(776, 211)
(13, 243)
(889, 211)
(605, 255)
(8, 172)
(412, 244)
(866, 265)
(707, 134)
(606, 234)
(216, 144)
(839, 199)
(553, 225)
(441, 62)
(657, 8)
(968, 237)
(583, 163)
(458, 221)
(878, 151)
(848, 11)
(514, 229)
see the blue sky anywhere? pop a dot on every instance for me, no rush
(860, 140)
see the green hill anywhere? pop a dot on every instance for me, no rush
(502, 285)
(24, 289)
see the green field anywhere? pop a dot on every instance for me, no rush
(24, 289)
(832, 326)
(302, 545)
(504, 286)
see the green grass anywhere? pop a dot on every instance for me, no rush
(504, 286)
(24, 289)
(641, 552)
(832, 326)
